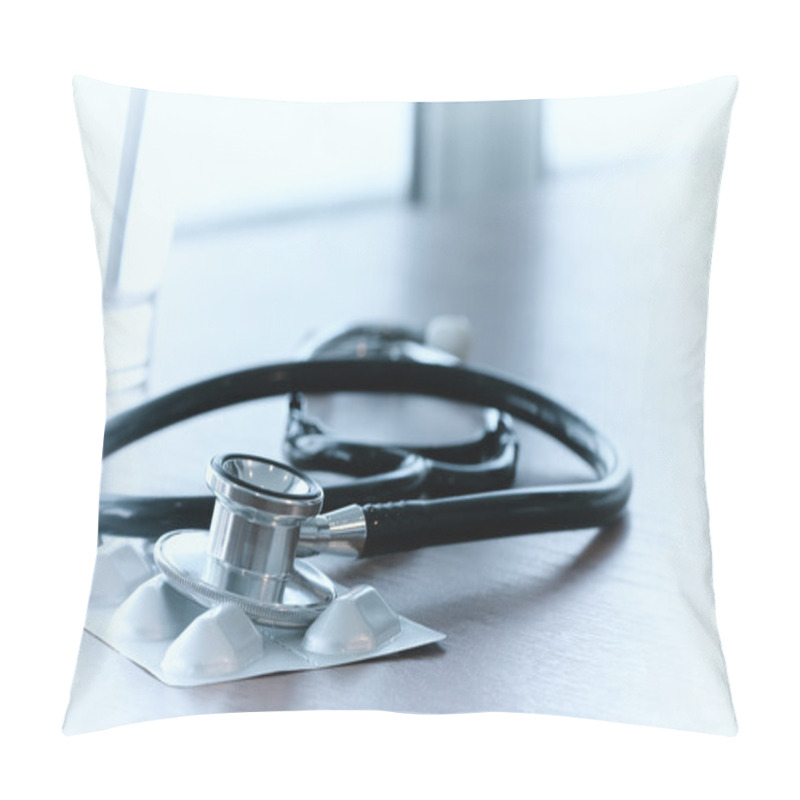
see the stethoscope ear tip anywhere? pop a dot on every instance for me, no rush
(451, 333)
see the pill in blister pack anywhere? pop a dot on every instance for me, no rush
(135, 610)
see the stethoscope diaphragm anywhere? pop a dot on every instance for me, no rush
(247, 556)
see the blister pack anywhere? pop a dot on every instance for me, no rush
(135, 610)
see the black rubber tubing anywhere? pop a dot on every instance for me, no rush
(375, 474)
(410, 524)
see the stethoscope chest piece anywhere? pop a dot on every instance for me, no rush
(248, 554)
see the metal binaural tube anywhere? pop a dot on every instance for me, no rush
(342, 532)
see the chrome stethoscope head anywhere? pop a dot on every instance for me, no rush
(248, 555)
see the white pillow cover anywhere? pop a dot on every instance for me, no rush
(576, 236)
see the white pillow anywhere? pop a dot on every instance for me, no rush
(576, 236)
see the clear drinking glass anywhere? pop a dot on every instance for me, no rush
(138, 235)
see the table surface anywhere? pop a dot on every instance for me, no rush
(581, 290)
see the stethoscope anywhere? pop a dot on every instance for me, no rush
(245, 543)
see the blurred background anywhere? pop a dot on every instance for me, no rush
(419, 209)
(216, 161)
